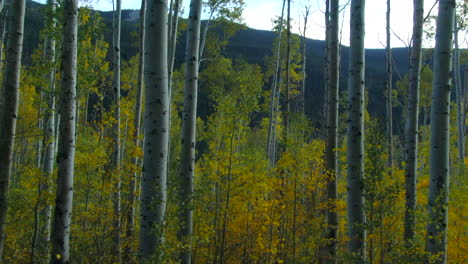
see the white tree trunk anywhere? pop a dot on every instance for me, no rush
(355, 152)
(459, 98)
(156, 118)
(66, 147)
(412, 119)
(389, 91)
(287, 110)
(332, 133)
(189, 119)
(172, 41)
(10, 107)
(130, 232)
(117, 148)
(276, 80)
(440, 115)
(49, 137)
(3, 30)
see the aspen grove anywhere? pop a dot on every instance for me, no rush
(176, 133)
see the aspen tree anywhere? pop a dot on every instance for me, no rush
(288, 78)
(389, 90)
(156, 121)
(276, 82)
(172, 41)
(412, 119)
(117, 147)
(9, 112)
(130, 230)
(332, 127)
(49, 135)
(355, 151)
(459, 96)
(66, 145)
(189, 118)
(436, 242)
(3, 30)
(300, 106)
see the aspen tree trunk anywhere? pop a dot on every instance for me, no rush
(172, 41)
(130, 232)
(117, 148)
(355, 152)
(3, 30)
(66, 147)
(271, 150)
(153, 197)
(389, 91)
(189, 118)
(459, 98)
(301, 108)
(49, 138)
(288, 77)
(10, 108)
(412, 120)
(436, 242)
(332, 135)
(325, 59)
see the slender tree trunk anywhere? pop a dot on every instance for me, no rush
(189, 118)
(459, 98)
(117, 247)
(355, 152)
(325, 60)
(130, 232)
(49, 140)
(10, 108)
(332, 137)
(66, 148)
(172, 41)
(412, 129)
(288, 79)
(3, 31)
(440, 117)
(271, 150)
(153, 196)
(389, 91)
(301, 105)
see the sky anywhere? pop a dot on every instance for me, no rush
(258, 14)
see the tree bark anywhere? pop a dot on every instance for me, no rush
(436, 242)
(459, 99)
(276, 80)
(189, 118)
(66, 147)
(389, 91)
(117, 248)
(3, 31)
(130, 231)
(10, 108)
(412, 129)
(49, 137)
(153, 197)
(325, 60)
(288, 78)
(300, 107)
(172, 41)
(355, 152)
(332, 135)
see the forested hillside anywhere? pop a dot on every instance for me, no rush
(253, 46)
(139, 136)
